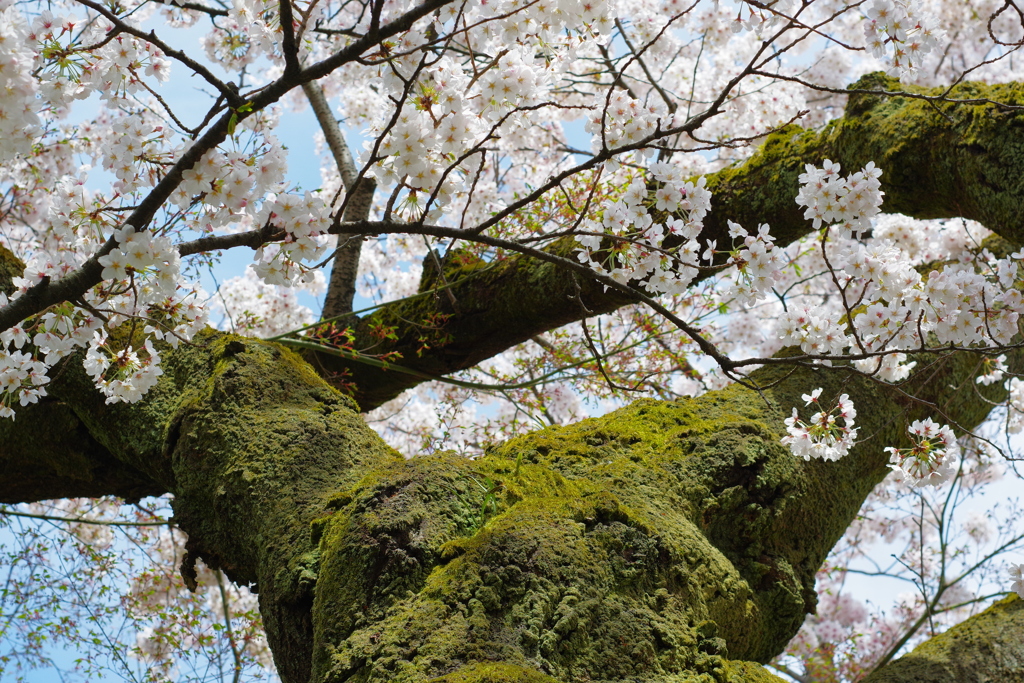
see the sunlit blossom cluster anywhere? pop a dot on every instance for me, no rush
(848, 202)
(1016, 572)
(224, 183)
(142, 274)
(758, 265)
(21, 379)
(134, 370)
(822, 437)
(636, 226)
(931, 460)
(972, 302)
(996, 370)
(242, 37)
(305, 219)
(113, 68)
(128, 157)
(899, 33)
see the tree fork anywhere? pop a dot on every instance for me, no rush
(667, 538)
(664, 540)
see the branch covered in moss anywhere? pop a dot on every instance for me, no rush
(987, 647)
(47, 453)
(251, 443)
(940, 159)
(665, 539)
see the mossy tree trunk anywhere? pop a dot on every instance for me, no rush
(666, 541)
(669, 541)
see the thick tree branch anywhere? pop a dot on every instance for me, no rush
(47, 453)
(962, 161)
(664, 540)
(253, 445)
(987, 647)
(667, 538)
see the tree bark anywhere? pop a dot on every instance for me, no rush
(341, 288)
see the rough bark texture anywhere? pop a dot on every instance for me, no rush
(658, 543)
(48, 453)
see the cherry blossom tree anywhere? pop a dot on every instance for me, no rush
(783, 239)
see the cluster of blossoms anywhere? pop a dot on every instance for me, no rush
(142, 253)
(625, 121)
(123, 374)
(128, 156)
(123, 371)
(429, 147)
(416, 153)
(224, 183)
(822, 437)
(996, 370)
(141, 278)
(758, 265)
(911, 34)
(19, 123)
(244, 35)
(896, 308)
(637, 248)
(765, 106)
(966, 303)
(1017, 574)
(71, 71)
(815, 331)
(933, 458)
(515, 81)
(21, 377)
(848, 202)
(305, 219)
(521, 21)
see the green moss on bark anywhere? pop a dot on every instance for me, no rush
(939, 159)
(987, 648)
(10, 267)
(253, 444)
(657, 543)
